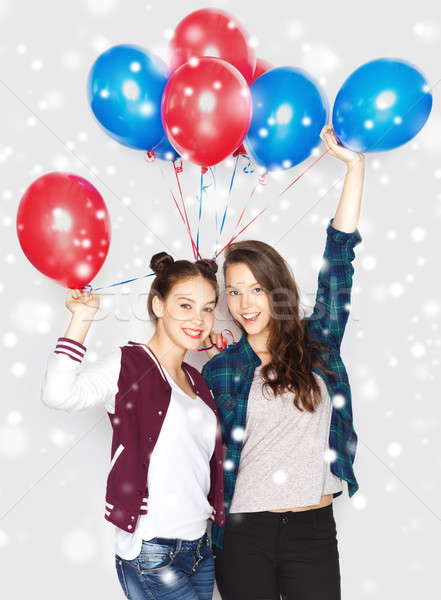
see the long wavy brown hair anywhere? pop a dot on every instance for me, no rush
(293, 352)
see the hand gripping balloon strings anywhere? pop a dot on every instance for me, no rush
(151, 157)
(222, 337)
(88, 288)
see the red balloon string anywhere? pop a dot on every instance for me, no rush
(241, 231)
(178, 168)
(262, 181)
(305, 171)
(187, 226)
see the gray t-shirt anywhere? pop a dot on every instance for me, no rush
(285, 459)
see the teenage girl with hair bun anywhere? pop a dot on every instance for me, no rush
(165, 478)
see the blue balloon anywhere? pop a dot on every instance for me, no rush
(382, 105)
(165, 150)
(289, 112)
(124, 88)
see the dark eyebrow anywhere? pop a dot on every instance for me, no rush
(191, 300)
(250, 285)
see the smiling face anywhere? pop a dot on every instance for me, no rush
(247, 300)
(186, 316)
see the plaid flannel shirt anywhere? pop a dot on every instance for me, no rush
(230, 373)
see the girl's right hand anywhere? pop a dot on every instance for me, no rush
(83, 304)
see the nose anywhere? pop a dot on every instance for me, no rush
(244, 301)
(198, 318)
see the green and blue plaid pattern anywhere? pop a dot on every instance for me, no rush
(230, 373)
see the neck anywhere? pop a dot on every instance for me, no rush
(259, 342)
(169, 355)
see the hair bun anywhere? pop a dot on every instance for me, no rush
(210, 264)
(160, 261)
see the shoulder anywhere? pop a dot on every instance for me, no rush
(220, 361)
(135, 357)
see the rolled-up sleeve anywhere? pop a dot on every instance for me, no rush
(332, 305)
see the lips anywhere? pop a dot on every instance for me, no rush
(250, 317)
(193, 333)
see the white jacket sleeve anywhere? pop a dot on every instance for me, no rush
(68, 387)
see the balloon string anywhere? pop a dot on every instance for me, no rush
(214, 345)
(305, 171)
(178, 168)
(195, 252)
(203, 192)
(247, 169)
(200, 210)
(262, 182)
(89, 288)
(226, 206)
(241, 231)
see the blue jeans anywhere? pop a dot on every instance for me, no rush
(169, 569)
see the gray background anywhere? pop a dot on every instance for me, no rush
(54, 542)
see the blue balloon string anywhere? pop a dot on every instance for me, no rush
(89, 288)
(204, 193)
(226, 206)
(247, 168)
(200, 212)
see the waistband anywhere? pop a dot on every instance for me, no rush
(176, 544)
(304, 516)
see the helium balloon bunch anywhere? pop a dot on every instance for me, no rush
(214, 99)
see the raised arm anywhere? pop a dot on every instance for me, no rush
(348, 210)
(66, 385)
(331, 310)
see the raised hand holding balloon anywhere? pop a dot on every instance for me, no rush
(64, 228)
(382, 105)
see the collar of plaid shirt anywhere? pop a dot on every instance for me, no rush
(230, 373)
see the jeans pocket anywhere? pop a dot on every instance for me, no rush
(154, 557)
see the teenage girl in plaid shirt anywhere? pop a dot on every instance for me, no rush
(285, 408)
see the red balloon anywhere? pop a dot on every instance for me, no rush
(64, 228)
(262, 66)
(206, 110)
(216, 33)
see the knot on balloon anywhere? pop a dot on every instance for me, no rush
(178, 166)
(150, 156)
(263, 179)
(204, 170)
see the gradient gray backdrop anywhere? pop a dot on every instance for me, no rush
(54, 541)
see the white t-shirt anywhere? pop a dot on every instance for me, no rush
(179, 476)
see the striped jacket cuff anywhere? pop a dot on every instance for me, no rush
(70, 348)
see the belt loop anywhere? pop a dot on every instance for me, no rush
(177, 548)
(314, 518)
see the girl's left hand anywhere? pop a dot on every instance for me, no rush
(349, 157)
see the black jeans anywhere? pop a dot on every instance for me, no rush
(292, 555)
